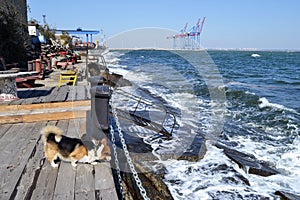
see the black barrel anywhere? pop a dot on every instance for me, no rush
(100, 105)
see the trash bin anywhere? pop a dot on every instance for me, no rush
(100, 96)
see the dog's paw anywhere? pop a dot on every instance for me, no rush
(54, 165)
(94, 163)
(74, 164)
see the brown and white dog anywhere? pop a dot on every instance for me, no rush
(59, 147)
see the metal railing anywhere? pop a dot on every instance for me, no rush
(140, 114)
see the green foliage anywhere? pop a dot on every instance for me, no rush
(45, 31)
(65, 38)
(12, 33)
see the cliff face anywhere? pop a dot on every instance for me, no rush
(13, 30)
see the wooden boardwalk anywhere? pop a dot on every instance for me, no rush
(26, 174)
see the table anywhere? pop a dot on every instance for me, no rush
(8, 86)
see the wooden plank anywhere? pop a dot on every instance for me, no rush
(104, 182)
(85, 183)
(46, 182)
(27, 183)
(17, 160)
(6, 108)
(43, 99)
(11, 119)
(54, 116)
(80, 126)
(42, 95)
(73, 129)
(51, 97)
(63, 124)
(43, 116)
(30, 96)
(51, 111)
(3, 129)
(65, 182)
(63, 93)
(85, 180)
(28, 101)
(36, 94)
(107, 194)
(47, 179)
(103, 177)
(72, 94)
(66, 174)
(17, 102)
(80, 93)
(11, 140)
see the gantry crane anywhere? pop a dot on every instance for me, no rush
(190, 39)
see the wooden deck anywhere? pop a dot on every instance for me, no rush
(26, 174)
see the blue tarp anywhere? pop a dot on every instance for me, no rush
(79, 31)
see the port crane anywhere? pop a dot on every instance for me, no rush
(188, 39)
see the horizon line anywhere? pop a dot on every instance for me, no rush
(208, 49)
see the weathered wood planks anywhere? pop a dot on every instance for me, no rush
(43, 112)
(26, 174)
(20, 147)
(104, 182)
(85, 182)
(53, 94)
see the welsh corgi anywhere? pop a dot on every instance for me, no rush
(59, 147)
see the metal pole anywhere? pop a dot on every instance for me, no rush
(87, 56)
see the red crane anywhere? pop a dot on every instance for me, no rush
(188, 39)
(202, 23)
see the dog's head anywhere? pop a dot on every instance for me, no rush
(103, 151)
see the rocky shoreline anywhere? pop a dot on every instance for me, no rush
(154, 183)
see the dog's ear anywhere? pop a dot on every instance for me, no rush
(104, 142)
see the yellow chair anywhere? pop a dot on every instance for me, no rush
(69, 76)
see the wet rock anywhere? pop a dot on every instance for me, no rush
(248, 162)
(114, 79)
(287, 195)
(196, 151)
(153, 184)
(235, 195)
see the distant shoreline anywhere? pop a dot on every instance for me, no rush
(211, 49)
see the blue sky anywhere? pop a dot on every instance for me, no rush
(262, 24)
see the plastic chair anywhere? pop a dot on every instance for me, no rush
(69, 77)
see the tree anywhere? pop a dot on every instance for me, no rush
(13, 33)
(65, 38)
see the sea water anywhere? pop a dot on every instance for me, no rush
(250, 103)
